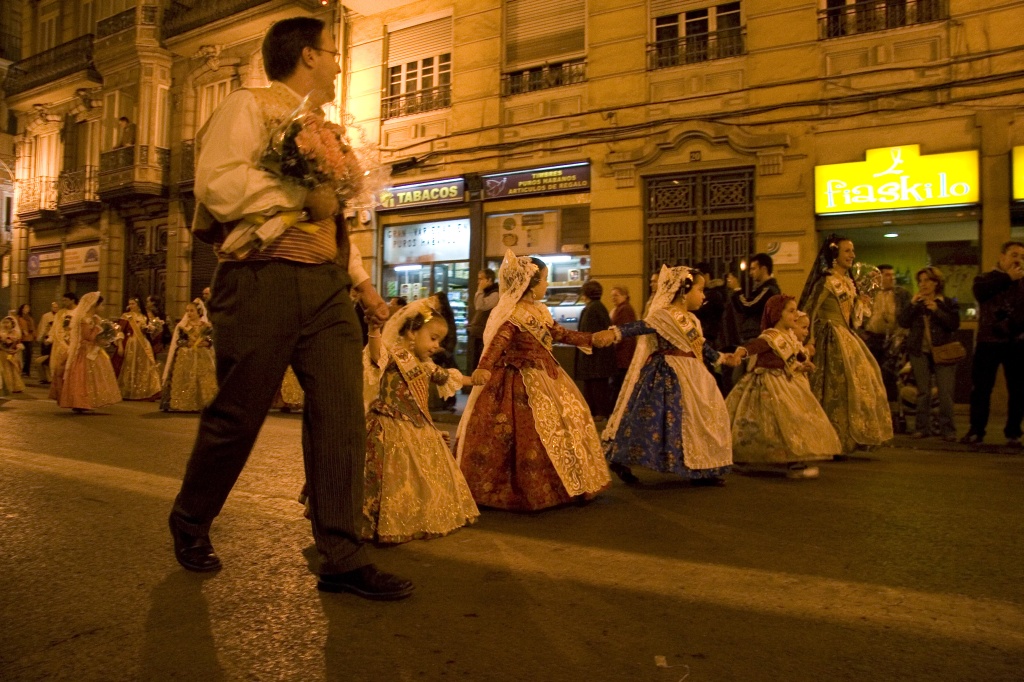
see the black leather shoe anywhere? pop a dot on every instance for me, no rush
(194, 552)
(367, 582)
(624, 473)
(972, 438)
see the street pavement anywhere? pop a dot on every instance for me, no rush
(902, 564)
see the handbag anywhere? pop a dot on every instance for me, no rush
(949, 353)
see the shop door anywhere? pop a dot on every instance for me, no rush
(703, 216)
(453, 279)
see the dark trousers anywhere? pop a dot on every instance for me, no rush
(265, 316)
(876, 344)
(987, 358)
(476, 349)
(26, 358)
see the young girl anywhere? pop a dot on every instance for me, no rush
(526, 440)
(10, 356)
(190, 374)
(775, 417)
(135, 365)
(89, 380)
(670, 416)
(413, 489)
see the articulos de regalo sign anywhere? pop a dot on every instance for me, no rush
(571, 177)
(897, 178)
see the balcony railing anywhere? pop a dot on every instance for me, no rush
(78, 186)
(126, 20)
(185, 15)
(878, 15)
(188, 162)
(543, 77)
(116, 159)
(10, 47)
(37, 194)
(48, 66)
(700, 47)
(428, 99)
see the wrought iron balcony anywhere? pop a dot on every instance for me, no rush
(700, 47)
(78, 190)
(428, 99)
(185, 15)
(188, 163)
(543, 77)
(129, 172)
(37, 197)
(46, 67)
(878, 15)
(126, 20)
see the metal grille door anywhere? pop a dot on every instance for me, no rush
(704, 216)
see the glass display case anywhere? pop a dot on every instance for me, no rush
(566, 274)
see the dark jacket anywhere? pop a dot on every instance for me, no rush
(601, 363)
(944, 322)
(712, 313)
(749, 309)
(1001, 307)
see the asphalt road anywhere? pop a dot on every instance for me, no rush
(905, 564)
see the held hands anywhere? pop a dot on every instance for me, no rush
(730, 359)
(602, 339)
(481, 377)
(322, 203)
(377, 314)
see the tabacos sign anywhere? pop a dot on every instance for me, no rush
(422, 194)
(894, 178)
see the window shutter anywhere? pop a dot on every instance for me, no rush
(422, 40)
(661, 8)
(538, 31)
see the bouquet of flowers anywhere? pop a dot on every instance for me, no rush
(109, 335)
(313, 151)
(867, 277)
(205, 335)
(154, 327)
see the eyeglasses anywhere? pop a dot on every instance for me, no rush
(337, 55)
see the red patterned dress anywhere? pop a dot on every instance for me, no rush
(529, 441)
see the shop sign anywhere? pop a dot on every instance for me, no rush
(572, 177)
(897, 178)
(82, 259)
(427, 242)
(44, 263)
(1018, 173)
(784, 253)
(451, 190)
(523, 233)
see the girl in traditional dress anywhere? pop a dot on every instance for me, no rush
(10, 356)
(60, 337)
(526, 440)
(413, 488)
(156, 326)
(846, 381)
(670, 416)
(89, 382)
(135, 365)
(190, 374)
(775, 417)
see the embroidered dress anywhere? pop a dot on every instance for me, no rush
(190, 376)
(775, 417)
(527, 440)
(89, 380)
(137, 373)
(847, 380)
(670, 416)
(413, 488)
(10, 356)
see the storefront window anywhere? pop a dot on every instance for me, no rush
(952, 247)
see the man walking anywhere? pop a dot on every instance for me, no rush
(749, 307)
(286, 304)
(486, 297)
(1000, 297)
(45, 342)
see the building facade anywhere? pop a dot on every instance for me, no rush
(610, 136)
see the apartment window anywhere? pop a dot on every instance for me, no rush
(162, 116)
(850, 17)
(49, 15)
(694, 35)
(210, 97)
(86, 17)
(115, 105)
(419, 75)
(545, 44)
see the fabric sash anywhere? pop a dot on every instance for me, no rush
(785, 346)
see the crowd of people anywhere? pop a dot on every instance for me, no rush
(794, 384)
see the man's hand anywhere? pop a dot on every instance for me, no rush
(378, 314)
(322, 203)
(1015, 272)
